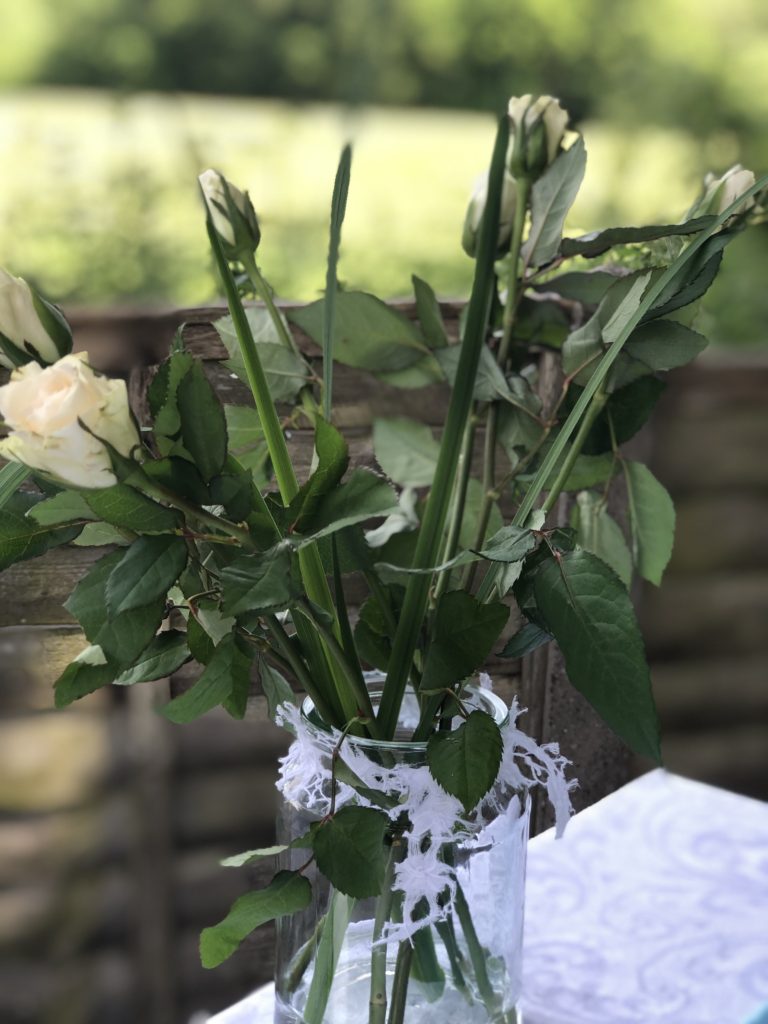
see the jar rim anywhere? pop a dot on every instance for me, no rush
(478, 698)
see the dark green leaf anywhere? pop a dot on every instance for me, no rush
(526, 640)
(406, 450)
(349, 850)
(96, 535)
(372, 635)
(247, 441)
(552, 197)
(597, 531)
(203, 427)
(124, 507)
(598, 242)
(364, 496)
(490, 385)
(286, 894)
(368, 333)
(200, 644)
(627, 409)
(179, 476)
(694, 278)
(147, 570)
(588, 286)
(332, 462)
(258, 582)
(657, 345)
(61, 508)
(286, 372)
(164, 655)
(223, 676)
(510, 544)
(82, 677)
(430, 317)
(276, 687)
(22, 538)
(162, 394)
(584, 605)
(12, 476)
(652, 517)
(464, 633)
(540, 322)
(466, 761)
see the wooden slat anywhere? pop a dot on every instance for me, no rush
(33, 593)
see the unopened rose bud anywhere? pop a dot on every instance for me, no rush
(538, 127)
(60, 418)
(30, 327)
(476, 209)
(720, 192)
(232, 214)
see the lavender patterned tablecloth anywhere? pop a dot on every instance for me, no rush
(653, 909)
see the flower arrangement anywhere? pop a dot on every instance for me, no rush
(404, 786)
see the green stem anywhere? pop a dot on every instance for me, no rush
(596, 407)
(239, 533)
(477, 954)
(447, 933)
(430, 535)
(458, 504)
(378, 1001)
(299, 669)
(400, 983)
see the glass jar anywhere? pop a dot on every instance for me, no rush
(465, 963)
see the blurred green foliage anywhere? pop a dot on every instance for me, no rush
(98, 201)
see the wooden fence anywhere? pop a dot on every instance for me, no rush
(112, 820)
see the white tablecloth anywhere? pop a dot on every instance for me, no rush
(653, 909)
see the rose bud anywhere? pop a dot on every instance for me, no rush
(476, 208)
(538, 127)
(232, 214)
(30, 327)
(720, 192)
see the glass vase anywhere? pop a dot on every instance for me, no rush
(371, 961)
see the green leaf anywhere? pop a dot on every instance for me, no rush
(584, 605)
(349, 850)
(61, 508)
(552, 197)
(652, 517)
(466, 761)
(123, 506)
(598, 242)
(258, 582)
(372, 635)
(364, 496)
(223, 676)
(338, 209)
(276, 688)
(526, 640)
(203, 427)
(240, 860)
(541, 322)
(693, 279)
(147, 570)
(179, 476)
(406, 450)
(464, 632)
(588, 286)
(124, 638)
(425, 372)
(95, 535)
(597, 531)
(247, 441)
(332, 462)
(587, 471)
(22, 538)
(12, 476)
(627, 410)
(286, 372)
(509, 544)
(164, 655)
(490, 384)
(162, 394)
(657, 345)
(368, 334)
(82, 677)
(430, 317)
(287, 893)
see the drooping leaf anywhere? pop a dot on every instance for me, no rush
(123, 506)
(147, 570)
(286, 372)
(83, 676)
(364, 495)
(652, 517)
(598, 242)
(584, 605)
(464, 632)
(526, 640)
(222, 676)
(430, 317)
(597, 531)
(368, 334)
(350, 851)
(164, 656)
(552, 197)
(22, 538)
(509, 544)
(657, 345)
(276, 687)
(406, 450)
(61, 508)
(287, 893)
(258, 582)
(466, 761)
(203, 427)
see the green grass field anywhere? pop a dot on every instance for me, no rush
(99, 201)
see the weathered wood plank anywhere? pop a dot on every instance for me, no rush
(711, 693)
(33, 593)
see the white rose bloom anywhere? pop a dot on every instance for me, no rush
(546, 109)
(19, 321)
(719, 193)
(44, 409)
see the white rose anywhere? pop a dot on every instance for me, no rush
(45, 408)
(476, 209)
(20, 322)
(720, 192)
(543, 123)
(231, 211)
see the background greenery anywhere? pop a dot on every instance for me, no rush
(98, 202)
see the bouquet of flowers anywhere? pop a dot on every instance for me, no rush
(400, 864)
